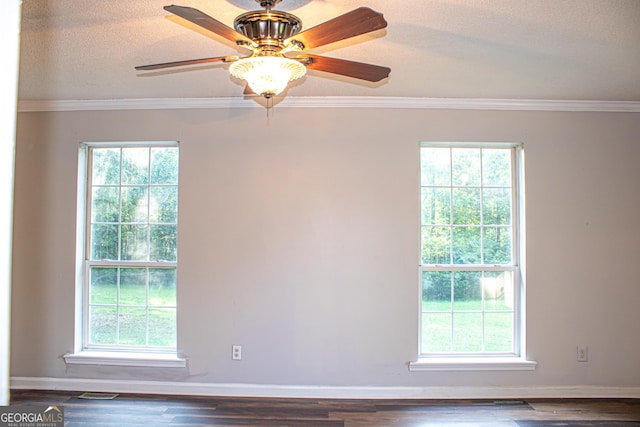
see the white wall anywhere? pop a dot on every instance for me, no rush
(9, 42)
(299, 240)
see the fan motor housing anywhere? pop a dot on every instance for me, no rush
(268, 28)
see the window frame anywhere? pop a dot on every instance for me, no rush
(84, 352)
(515, 360)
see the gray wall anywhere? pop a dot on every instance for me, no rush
(299, 240)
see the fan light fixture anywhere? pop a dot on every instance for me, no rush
(267, 75)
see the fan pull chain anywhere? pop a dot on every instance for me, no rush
(269, 109)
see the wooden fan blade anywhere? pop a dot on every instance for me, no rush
(248, 91)
(359, 21)
(207, 22)
(187, 62)
(358, 70)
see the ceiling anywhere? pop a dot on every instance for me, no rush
(494, 49)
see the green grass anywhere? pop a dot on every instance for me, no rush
(133, 294)
(461, 330)
(127, 320)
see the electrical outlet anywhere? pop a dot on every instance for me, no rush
(583, 353)
(236, 352)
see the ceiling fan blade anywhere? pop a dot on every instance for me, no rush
(358, 70)
(359, 21)
(187, 62)
(207, 22)
(248, 91)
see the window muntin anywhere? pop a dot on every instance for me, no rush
(131, 247)
(469, 258)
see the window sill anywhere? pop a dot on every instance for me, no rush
(472, 364)
(154, 360)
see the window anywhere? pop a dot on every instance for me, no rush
(470, 259)
(130, 247)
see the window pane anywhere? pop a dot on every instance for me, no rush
(103, 324)
(496, 167)
(465, 206)
(104, 242)
(436, 245)
(436, 291)
(164, 165)
(162, 327)
(436, 206)
(133, 286)
(496, 206)
(467, 290)
(162, 287)
(134, 204)
(436, 332)
(498, 332)
(106, 204)
(135, 246)
(466, 245)
(497, 245)
(135, 165)
(436, 166)
(163, 243)
(465, 166)
(163, 204)
(106, 166)
(133, 326)
(498, 290)
(103, 285)
(467, 332)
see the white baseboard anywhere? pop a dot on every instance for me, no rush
(342, 392)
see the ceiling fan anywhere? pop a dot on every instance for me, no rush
(277, 42)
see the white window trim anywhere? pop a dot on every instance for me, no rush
(475, 363)
(480, 362)
(81, 355)
(115, 358)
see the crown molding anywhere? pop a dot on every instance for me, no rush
(26, 106)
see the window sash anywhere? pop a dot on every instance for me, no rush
(147, 306)
(89, 223)
(516, 312)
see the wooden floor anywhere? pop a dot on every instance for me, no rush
(159, 410)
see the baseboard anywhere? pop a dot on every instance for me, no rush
(335, 392)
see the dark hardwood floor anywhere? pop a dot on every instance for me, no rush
(161, 410)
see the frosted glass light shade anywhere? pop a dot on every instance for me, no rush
(267, 75)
